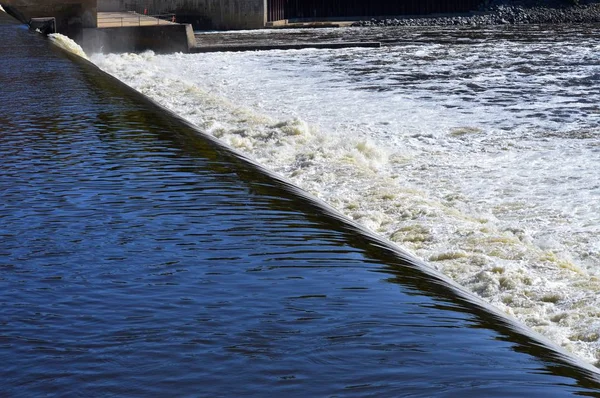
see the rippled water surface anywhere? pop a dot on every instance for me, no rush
(138, 257)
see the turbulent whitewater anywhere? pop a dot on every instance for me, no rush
(67, 44)
(477, 149)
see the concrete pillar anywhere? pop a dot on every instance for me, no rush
(202, 14)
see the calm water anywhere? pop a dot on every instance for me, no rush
(477, 149)
(139, 257)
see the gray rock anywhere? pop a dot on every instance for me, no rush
(504, 12)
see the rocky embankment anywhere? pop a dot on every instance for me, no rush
(506, 13)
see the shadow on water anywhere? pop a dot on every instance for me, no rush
(141, 257)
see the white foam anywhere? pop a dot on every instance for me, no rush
(2, 9)
(486, 183)
(67, 44)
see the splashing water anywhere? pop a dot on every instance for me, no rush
(67, 44)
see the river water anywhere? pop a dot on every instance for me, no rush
(476, 149)
(141, 257)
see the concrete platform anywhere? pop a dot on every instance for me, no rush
(287, 24)
(291, 46)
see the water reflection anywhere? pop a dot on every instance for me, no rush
(138, 258)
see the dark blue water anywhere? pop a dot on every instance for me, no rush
(140, 258)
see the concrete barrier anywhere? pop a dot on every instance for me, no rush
(291, 46)
(159, 38)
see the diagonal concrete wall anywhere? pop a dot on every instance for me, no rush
(202, 14)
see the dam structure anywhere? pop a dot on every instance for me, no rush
(98, 27)
(256, 14)
(141, 257)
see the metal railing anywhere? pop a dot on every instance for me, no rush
(133, 19)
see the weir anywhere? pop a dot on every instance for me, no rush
(140, 256)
